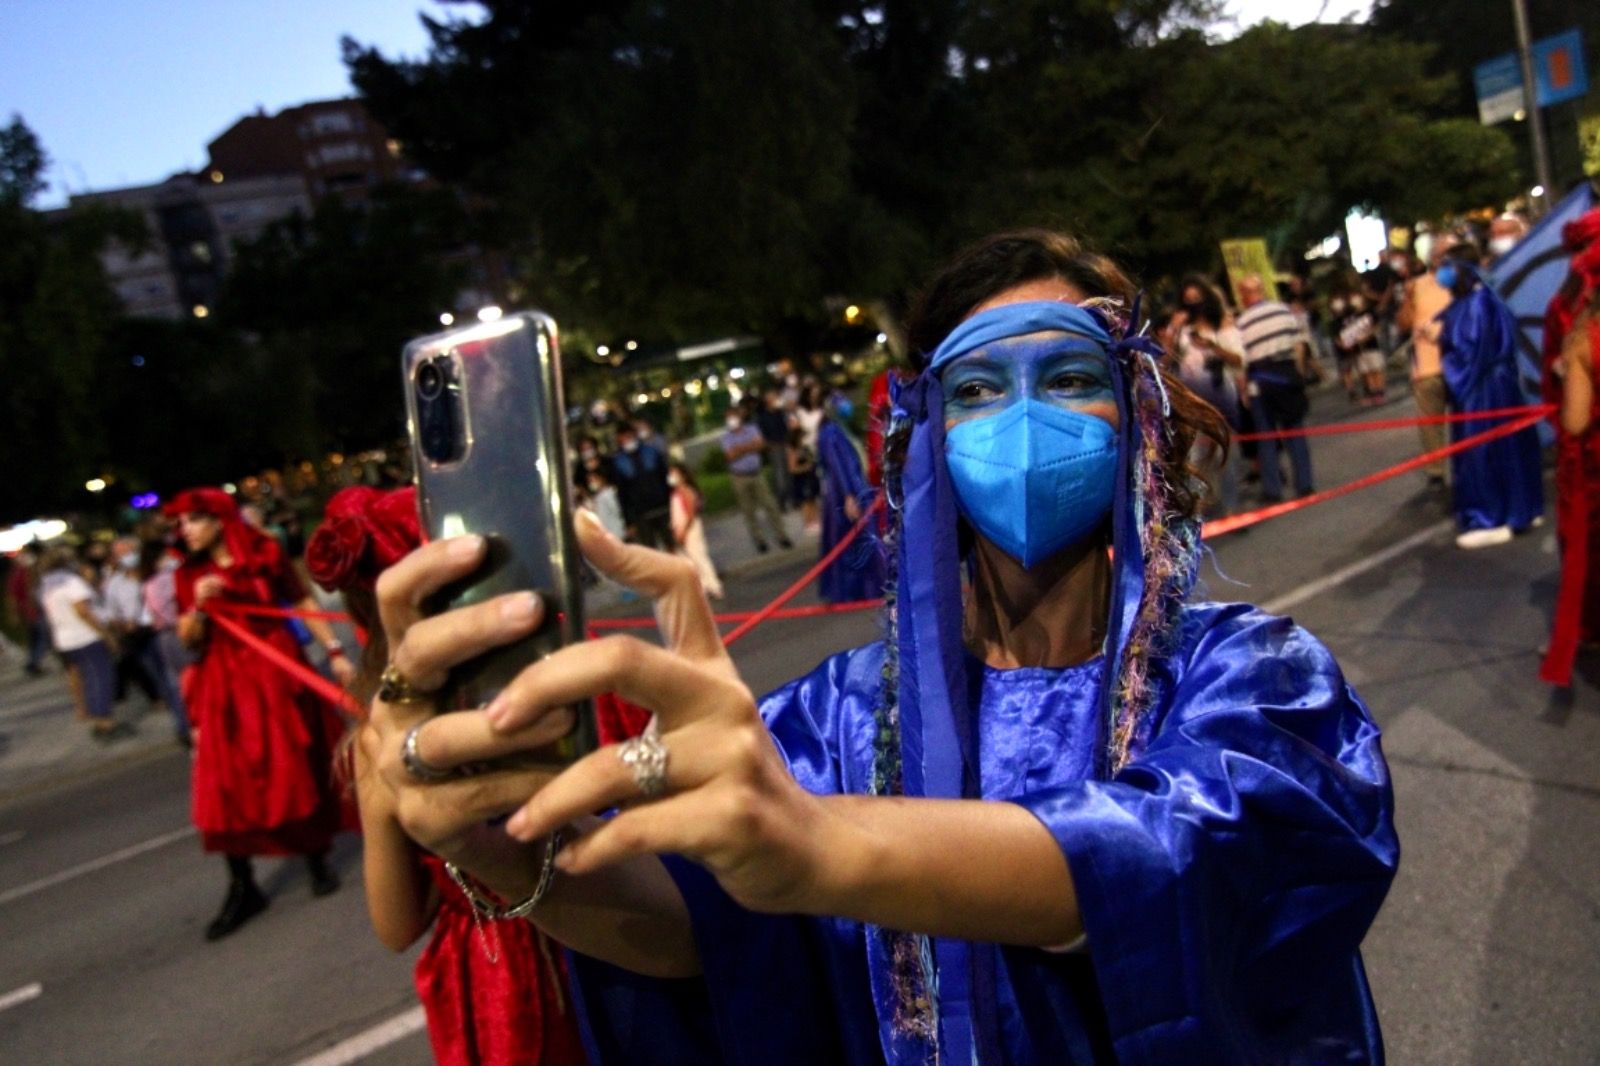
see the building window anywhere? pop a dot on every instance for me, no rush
(341, 152)
(332, 122)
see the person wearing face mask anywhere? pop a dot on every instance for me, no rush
(1425, 301)
(639, 472)
(1353, 325)
(158, 589)
(744, 446)
(1504, 233)
(1497, 489)
(689, 531)
(122, 594)
(1059, 813)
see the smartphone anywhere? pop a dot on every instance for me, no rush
(485, 412)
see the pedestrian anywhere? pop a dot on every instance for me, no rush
(83, 640)
(688, 530)
(639, 472)
(157, 566)
(859, 572)
(589, 461)
(263, 741)
(492, 994)
(1059, 813)
(1382, 289)
(1209, 354)
(1505, 232)
(809, 412)
(773, 421)
(803, 480)
(1275, 352)
(22, 592)
(602, 500)
(744, 446)
(1571, 338)
(1421, 314)
(122, 594)
(1497, 488)
(1354, 328)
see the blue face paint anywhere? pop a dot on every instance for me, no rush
(1033, 470)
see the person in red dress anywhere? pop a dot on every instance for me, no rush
(263, 742)
(494, 993)
(1573, 318)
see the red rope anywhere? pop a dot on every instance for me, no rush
(295, 668)
(1395, 423)
(1250, 518)
(805, 579)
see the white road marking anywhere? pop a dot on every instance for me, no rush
(366, 1042)
(19, 996)
(11, 895)
(1313, 589)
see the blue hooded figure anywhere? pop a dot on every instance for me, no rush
(1498, 487)
(858, 573)
(1215, 788)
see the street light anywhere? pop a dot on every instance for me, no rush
(201, 310)
(601, 350)
(632, 346)
(1536, 192)
(446, 318)
(852, 313)
(95, 484)
(489, 314)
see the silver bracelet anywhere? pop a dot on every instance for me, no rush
(483, 906)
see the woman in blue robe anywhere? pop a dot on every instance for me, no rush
(1060, 814)
(858, 573)
(1498, 487)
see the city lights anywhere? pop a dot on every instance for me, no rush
(489, 314)
(632, 346)
(883, 338)
(602, 350)
(736, 373)
(1536, 192)
(201, 310)
(95, 484)
(446, 318)
(852, 313)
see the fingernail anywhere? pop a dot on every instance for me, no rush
(517, 825)
(564, 859)
(518, 608)
(592, 520)
(466, 547)
(497, 710)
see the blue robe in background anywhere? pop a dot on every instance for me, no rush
(1499, 483)
(859, 573)
(1226, 876)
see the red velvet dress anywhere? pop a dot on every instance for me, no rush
(512, 1008)
(262, 781)
(1577, 615)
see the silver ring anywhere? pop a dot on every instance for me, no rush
(646, 756)
(415, 766)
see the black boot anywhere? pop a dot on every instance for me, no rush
(324, 882)
(244, 900)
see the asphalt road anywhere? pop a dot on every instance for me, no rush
(1488, 950)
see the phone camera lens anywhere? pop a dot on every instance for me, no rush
(430, 381)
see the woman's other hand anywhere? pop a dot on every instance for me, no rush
(730, 802)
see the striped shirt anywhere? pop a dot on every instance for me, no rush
(1270, 331)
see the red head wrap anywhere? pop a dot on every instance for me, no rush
(363, 533)
(252, 549)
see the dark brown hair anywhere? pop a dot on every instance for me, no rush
(1005, 260)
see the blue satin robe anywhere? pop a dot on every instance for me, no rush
(858, 573)
(1225, 877)
(1500, 483)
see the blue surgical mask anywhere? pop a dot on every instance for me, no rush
(1446, 275)
(1033, 478)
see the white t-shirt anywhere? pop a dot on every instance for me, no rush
(809, 421)
(61, 591)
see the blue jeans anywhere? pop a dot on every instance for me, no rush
(1299, 454)
(98, 676)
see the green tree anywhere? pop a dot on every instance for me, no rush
(327, 302)
(56, 313)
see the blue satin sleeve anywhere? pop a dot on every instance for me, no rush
(1227, 875)
(775, 989)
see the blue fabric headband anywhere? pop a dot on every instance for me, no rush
(1017, 320)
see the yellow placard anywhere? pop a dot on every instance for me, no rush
(1589, 139)
(1244, 256)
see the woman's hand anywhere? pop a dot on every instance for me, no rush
(207, 587)
(731, 803)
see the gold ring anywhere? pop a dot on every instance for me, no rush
(394, 688)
